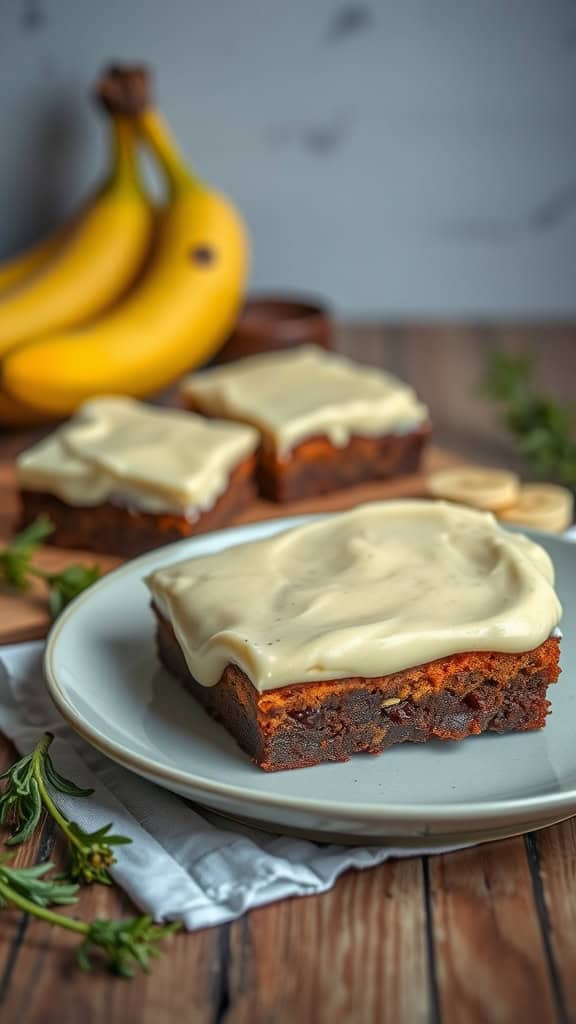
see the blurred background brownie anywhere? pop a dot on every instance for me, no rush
(123, 477)
(325, 421)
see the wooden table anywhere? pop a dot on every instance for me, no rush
(485, 935)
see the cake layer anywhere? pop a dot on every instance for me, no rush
(116, 530)
(317, 467)
(305, 392)
(137, 456)
(309, 723)
(368, 592)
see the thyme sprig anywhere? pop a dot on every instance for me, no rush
(126, 944)
(545, 429)
(27, 792)
(15, 558)
(17, 569)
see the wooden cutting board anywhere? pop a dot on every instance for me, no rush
(25, 617)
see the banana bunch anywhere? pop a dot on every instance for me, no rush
(127, 297)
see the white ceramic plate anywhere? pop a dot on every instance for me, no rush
(104, 676)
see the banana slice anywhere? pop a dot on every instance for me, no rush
(485, 488)
(542, 506)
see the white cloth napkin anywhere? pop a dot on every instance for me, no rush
(180, 866)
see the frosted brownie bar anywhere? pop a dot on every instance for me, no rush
(122, 477)
(325, 422)
(398, 621)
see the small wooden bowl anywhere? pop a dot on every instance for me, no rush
(272, 322)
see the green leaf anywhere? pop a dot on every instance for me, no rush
(20, 765)
(32, 884)
(56, 603)
(507, 376)
(15, 558)
(20, 802)
(59, 782)
(64, 586)
(544, 428)
(34, 534)
(34, 811)
(99, 836)
(91, 853)
(127, 945)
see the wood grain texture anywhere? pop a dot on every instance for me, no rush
(555, 850)
(489, 950)
(46, 987)
(343, 957)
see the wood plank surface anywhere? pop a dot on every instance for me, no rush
(364, 938)
(45, 987)
(484, 936)
(554, 861)
(488, 946)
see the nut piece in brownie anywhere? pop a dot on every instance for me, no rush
(325, 422)
(123, 477)
(397, 621)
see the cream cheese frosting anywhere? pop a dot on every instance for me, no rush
(380, 589)
(297, 394)
(157, 460)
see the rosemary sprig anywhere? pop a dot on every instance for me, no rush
(17, 570)
(127, 945)
(30, 884)
(546, 430)
(27, 792)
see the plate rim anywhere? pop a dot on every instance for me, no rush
(457, 811)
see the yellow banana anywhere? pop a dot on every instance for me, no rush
(22, 266)
(13, 414)
(173, 320)
(95, 264)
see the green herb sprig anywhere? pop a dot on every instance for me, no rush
(546, 430)
(27, 792)
(127, 944)
(17, 569)
(15, 559)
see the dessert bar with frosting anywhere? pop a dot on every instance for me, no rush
(122, 477)
(325, 422)
(396, 621)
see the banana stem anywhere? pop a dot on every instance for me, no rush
(124, 168)
(157, 134)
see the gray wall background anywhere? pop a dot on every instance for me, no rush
(403, 157)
